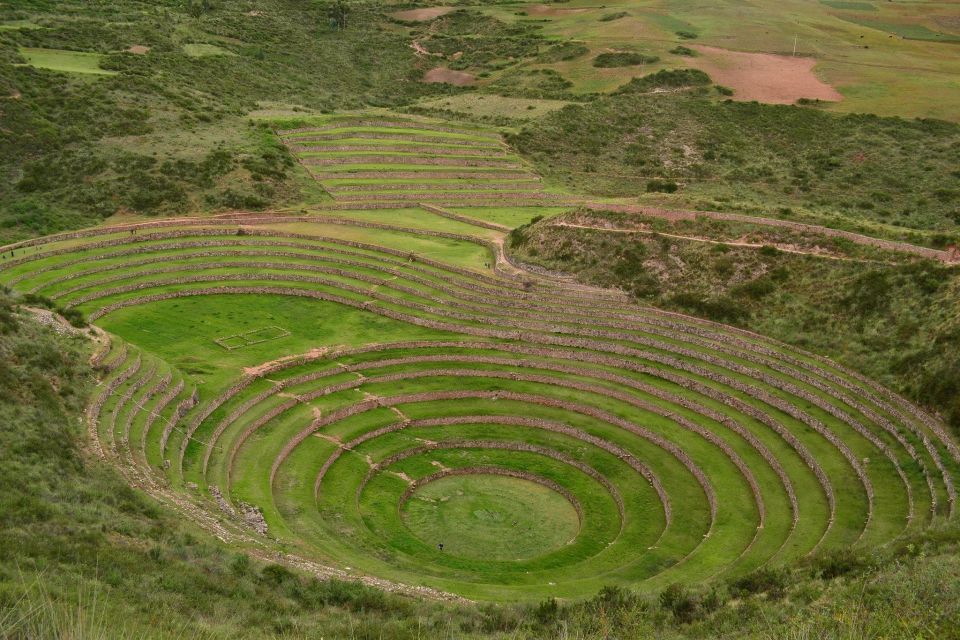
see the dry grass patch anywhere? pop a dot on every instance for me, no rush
(764, 77)
(449, 76)
(422, 15)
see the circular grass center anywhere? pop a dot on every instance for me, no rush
(489, 517)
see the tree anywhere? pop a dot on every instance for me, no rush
(197, 8)
(338, 13)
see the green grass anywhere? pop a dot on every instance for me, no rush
(195, 50)
(403, 157)
(908, 31)
(191, 346)
(888, 339)
(510, 216)
(181, 143)
(490, 107)
(65, 61)
(849, 6)
(677, 396)
(867, 67)
(465, 135)
(15, 25)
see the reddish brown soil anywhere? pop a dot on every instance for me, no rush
(422, 15)
(449, 76)
(763, 77)
(138, 49)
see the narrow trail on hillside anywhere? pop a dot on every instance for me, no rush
(729, 243)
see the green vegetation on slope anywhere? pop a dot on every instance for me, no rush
(774, 160)
(894, 322)
(166, 133)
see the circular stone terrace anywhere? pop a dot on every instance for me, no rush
(356, 392)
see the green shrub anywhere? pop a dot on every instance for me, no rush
(665, 79)
(622, 59)
(74, 316)
(836, 563)
(681, 50)
(662, 186)
(772, 582)
(719, 309)
(610, 17)
(563, 52)
(678, 601)
(755, 289)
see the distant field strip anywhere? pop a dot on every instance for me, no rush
(365, 160)
(654, 448)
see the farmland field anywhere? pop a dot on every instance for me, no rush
(882, 57)
(67, 61)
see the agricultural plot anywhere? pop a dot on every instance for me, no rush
(64, 61)
(886, 58)
(488, 432)
(366, 160)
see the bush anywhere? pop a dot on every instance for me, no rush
(681, 50)
(563, 52)
(837, 563)
(678, 601)
(610, 17)
(662, 186)
(664, 79)
(74, 316)
(772, 582)
(755, 289)
(546, 612)
(622, 59)
(719, 309)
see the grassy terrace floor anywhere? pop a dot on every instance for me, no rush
(366, 159)
(393, 384)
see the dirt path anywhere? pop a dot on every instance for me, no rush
(260, 369)
(418, 48)
(729, 243)
(949, 257)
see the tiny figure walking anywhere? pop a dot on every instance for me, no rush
(440, 546)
